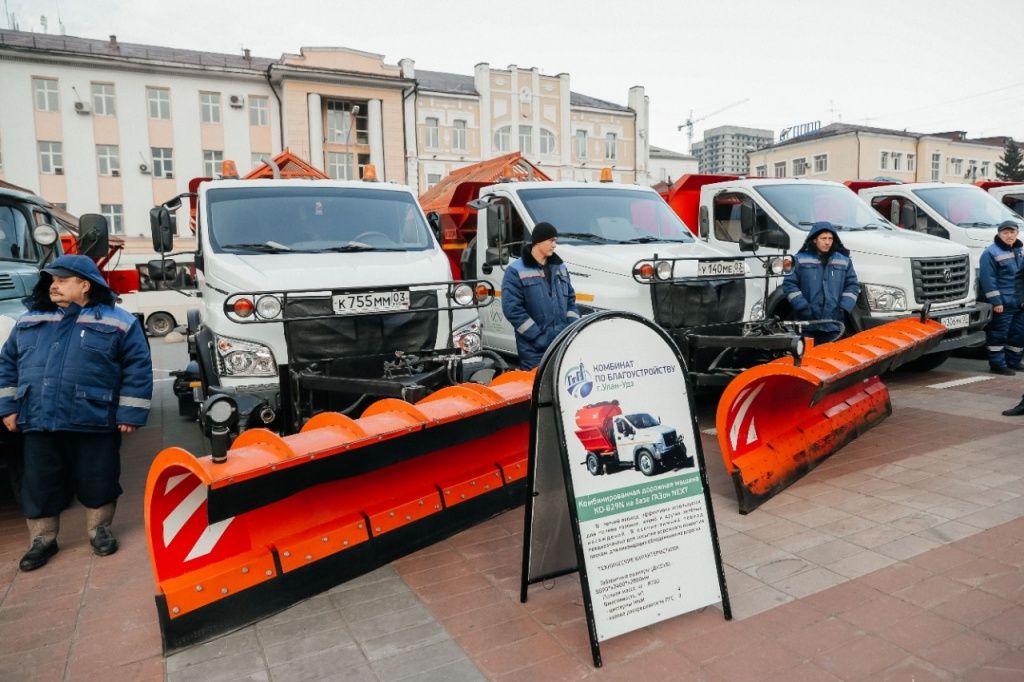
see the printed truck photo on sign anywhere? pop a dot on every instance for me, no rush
(615, 441)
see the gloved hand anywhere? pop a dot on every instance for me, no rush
(805, 314)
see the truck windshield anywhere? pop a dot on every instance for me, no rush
(597, 215)
(314, 220)
(804, 205)
(14, 234)
(967, 206)
(642, 420)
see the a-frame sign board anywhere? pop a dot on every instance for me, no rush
(617, 485)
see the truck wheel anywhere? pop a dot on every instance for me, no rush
(160, 324)
(646, 463)
(926, 363)
(594, 464)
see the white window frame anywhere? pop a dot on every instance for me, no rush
(103, 102)
(213, 162)
(779, 169)
(51, 157)
(956, 167)
(546, 142)
(883, 161)
(432, 132)
(259, 111)
(341, 165)
(820, 163)
(610, 146)
(936, 171)
(433, 179)
(761, 171)
(526, 139)
(503, 139)
(108, 159)
(897, 162)
(580, 144)
(114, 213)
(459, 135)
(158, 103)
(163, 161)
(985, 169)
(911, 163)
(209, 107)
(45, 94)
(799, 166)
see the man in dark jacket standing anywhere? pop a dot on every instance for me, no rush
(1002, 264)
(75, 374)
(822, 284)
(537, 297)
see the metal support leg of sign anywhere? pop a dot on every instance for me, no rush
(616, 497)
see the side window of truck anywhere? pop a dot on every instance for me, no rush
(505, 232)
(908, 215)
(728, 208)
(14, 234)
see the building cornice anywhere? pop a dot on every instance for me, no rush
(284, 72)
(604, 112)
(451, 95)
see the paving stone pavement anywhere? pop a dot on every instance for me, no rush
(900, 558)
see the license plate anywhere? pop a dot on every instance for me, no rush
(718, 268)
(955, 321)
(370, 302)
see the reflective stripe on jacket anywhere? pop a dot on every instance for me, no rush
(822, 291)
(1002, 268)
(538, 309)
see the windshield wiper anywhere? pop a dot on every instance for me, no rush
(262, 247)
(585, 236)
(354, 247)
(976, 223)
(649, 239)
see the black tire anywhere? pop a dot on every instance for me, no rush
(594, 464)
(160, 324)
(926, 363)
(646, 463)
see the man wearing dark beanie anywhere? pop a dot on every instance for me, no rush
(537, 297)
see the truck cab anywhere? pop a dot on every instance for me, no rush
(900, 271)
(1009, 194)
(615, 441)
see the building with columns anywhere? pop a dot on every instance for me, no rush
(111, 127)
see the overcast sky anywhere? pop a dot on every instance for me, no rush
(920, 65)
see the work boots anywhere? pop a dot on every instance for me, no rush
(43, 534)
(1016, 410)
(98, 522)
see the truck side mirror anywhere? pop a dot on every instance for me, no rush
(704, 223)
(162, 228)
(496, 255)
(434, 219)
(774, 238)
(162, 270)
(747, 218)
(908, 216)
(93, 235)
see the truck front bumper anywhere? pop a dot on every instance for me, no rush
(973, 334)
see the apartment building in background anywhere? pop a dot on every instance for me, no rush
(724, 149)
(842, 151)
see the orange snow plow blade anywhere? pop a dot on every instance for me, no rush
(285, 518)
(779, 420)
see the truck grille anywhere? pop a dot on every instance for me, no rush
(696, 304)
(6, 281)
(670, 438)
(940, 279)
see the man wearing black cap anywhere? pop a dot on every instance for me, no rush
(1002, 265)
(74, 375)
(537, 297)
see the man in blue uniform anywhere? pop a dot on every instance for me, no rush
(537, 297)
(1002, 264)
(75, 374)
(822, 284)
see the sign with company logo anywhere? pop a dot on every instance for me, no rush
(618, 486)
(798, 130)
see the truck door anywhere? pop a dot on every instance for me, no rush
(737, 221)
(499, 242)
(907, 214)
(624, 432)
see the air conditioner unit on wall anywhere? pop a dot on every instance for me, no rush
(83, 108)
(236, 101)
(144, 168)
(58, 171)
(115, 173)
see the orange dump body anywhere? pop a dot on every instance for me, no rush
(594, 426)
(778, 421)
(287, 517)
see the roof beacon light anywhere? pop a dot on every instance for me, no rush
(229, 170)
(606, 175)
(369, 173)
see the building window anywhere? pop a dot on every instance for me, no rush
(114, 213)
(103, 99)
(159, 101)
(459, 135)
(213, 162)
(821, 163)
(799, 167)
(503, 139)
(547, 142)
(897, 161)
(46, 97)
(911, 163)
(761, 171)
(163, 162)
(526, 139)
(956, 167)
(259, 111)
(339, 165)
(884, 162)
(581, 144)
(780, 169)
(340, 117)
(51, 158)
(209, 107)
(108, 159)
(609, 146)
(433, 179)
(433, 137)
(258, 159)
(936, 166)
(984, 169)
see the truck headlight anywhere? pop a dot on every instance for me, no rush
(883, 298)
(467, 338)
(663, 270)
(236, 358)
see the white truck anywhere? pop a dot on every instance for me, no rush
(900, 271)
(319, 295)
(1010, 194)
(615, 441)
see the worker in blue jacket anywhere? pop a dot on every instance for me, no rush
(537, 297)
(1002, 265)
(822, 284)
(75, 374)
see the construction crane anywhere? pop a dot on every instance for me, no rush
(690, 120)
